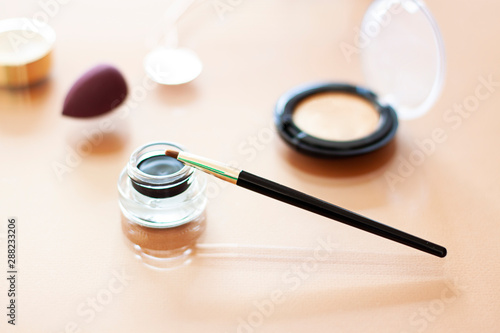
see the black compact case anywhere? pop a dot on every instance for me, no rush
(309, 144)
(403, 62)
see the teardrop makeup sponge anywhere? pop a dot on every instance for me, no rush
(99, 90)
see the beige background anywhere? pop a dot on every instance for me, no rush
(70, 243)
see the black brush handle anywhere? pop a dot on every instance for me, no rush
(315, 205)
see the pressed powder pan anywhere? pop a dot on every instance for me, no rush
(330, 136)
(336, 116)
(404, 63)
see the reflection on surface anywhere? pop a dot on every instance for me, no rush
(98, 136)
(341, 167)
(20, 108)
(341, 262)
(163, 248)
(342, 282)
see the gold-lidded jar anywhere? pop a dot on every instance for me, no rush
(25, 52)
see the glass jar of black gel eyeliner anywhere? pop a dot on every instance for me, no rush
(162, 204)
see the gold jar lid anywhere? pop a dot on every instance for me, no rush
(25, 51)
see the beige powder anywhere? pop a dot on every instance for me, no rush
(336, 116)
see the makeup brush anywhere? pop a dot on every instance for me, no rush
(304, 201)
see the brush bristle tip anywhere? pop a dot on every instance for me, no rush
(172, 153)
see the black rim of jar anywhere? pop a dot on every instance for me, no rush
(158, 187)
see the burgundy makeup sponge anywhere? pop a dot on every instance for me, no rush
(96, 92)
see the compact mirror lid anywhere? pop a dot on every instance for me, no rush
(402, 54)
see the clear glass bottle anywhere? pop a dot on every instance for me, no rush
(162, 202)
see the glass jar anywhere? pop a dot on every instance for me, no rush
(162, 204)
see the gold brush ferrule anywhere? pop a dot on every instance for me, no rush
(219, 170)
